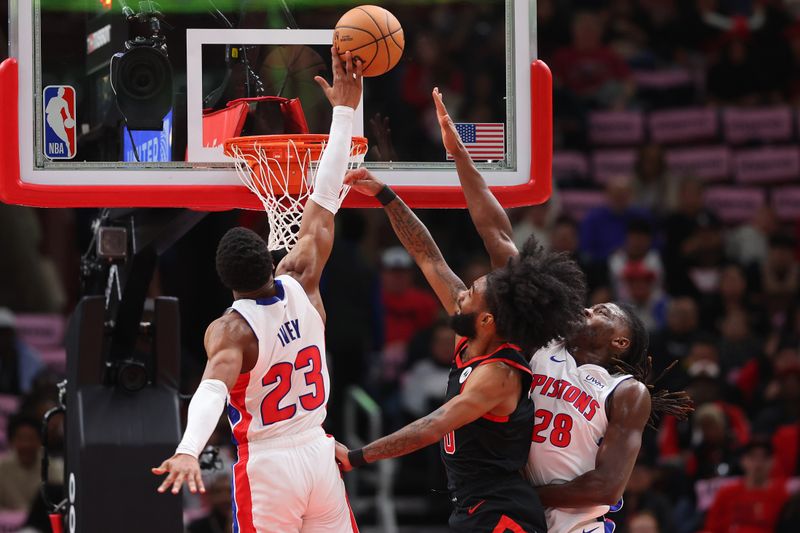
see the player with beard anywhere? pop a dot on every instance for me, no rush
(485, 425)
(592, 400)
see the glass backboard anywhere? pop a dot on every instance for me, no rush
(73, 142)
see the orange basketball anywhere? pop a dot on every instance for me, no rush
(371, 34)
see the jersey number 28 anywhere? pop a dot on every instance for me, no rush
(308, 361)
(560, 435)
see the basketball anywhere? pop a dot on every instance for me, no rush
(373, 35)
(68, 123)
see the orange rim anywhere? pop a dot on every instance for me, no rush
(277, 144)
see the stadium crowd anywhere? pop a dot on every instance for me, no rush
(714, 276)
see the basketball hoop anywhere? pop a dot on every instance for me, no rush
(281, 171)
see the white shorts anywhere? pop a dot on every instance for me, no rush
(290, 484)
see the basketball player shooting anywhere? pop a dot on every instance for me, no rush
(592, 403)
(485, 425)
(266, 358)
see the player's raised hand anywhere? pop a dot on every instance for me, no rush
(182, 469)
(341, 457)
(363, 181)
(347, 81)
(450, 138)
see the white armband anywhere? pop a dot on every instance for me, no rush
(204, 410)
(333, 164)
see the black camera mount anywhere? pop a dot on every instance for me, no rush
(141, 75)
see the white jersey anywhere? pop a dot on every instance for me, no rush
(287, 390)
(571, 420)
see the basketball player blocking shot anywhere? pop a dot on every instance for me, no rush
(484, 427)
(592, 404)
(266, 359)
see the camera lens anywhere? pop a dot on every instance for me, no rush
(132, 375)
(143, 72)
(142, 81)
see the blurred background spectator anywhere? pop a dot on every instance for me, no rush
(19, 364)
(20, 475)
(752, 503)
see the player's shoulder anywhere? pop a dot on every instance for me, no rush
(509, 361)
(228, 330)
(554, 348)
(630, 402)
(510, 355)
(291, 288)
(493, 375)
(632, 389)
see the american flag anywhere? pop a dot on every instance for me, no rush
(483, 141)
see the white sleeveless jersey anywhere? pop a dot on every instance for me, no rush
(287, 391)
(571, 420)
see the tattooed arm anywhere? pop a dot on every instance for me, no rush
(492, 388)
(487, 214)
(416, 238)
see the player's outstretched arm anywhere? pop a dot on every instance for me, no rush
(628, 416)
(315, 237)
(489, 386)
(487, 214)
(414, 235)
(226, 340)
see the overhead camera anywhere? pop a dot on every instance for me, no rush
(141, 75)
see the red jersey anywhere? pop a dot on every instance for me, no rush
(786, 442)
(738, 509)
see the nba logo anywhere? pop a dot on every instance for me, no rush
(59, 122)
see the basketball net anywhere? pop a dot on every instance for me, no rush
(281, 171)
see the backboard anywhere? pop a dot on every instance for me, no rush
(71, 142)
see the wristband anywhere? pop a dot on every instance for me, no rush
(356, 458)
(386, 195)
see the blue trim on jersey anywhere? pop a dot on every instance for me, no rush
(616, 507)
(280, 294)
(233, 417)
(609, 526)
(233, 498)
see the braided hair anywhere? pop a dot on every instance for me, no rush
(637, 362)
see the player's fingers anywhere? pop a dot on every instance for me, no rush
(200, 485)
(438, 102)
(348, 64)
(359, 70)
(161, 469)
(322, 82)
(354, 176)
(336, 61)
(192, 482)
(167, 482)
(176, 487)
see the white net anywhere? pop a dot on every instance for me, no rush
(283, 180)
